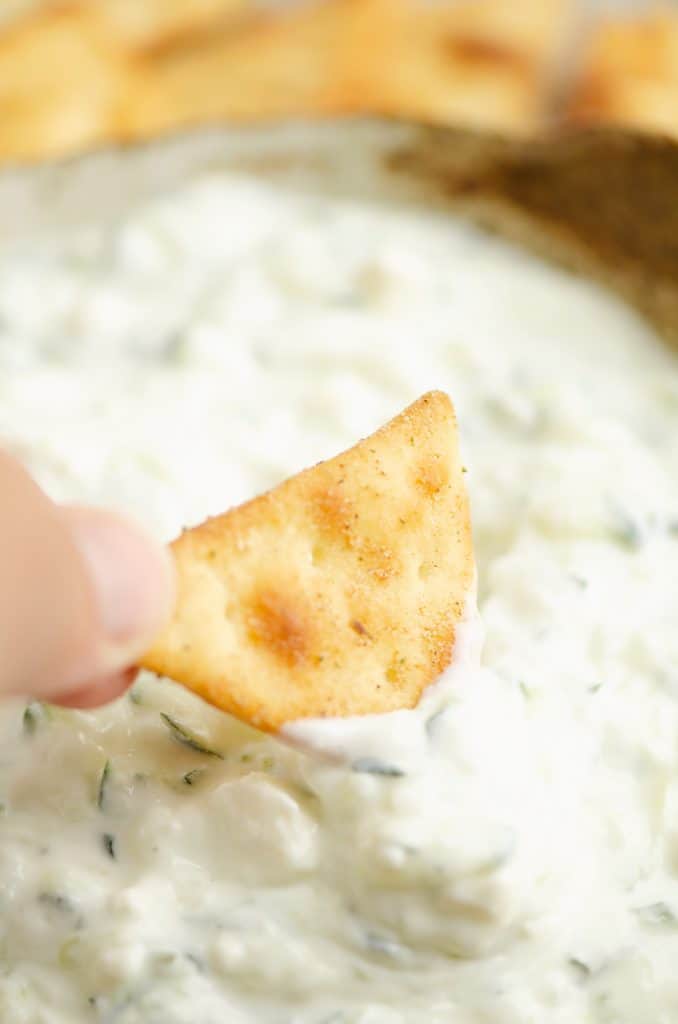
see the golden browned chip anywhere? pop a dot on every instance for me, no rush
(630, 74)
(58, 88)
(66, 69)
(269, 65)
(481, 62)
(135, 24)
(149, 25)
(337, 593)
(136, 69)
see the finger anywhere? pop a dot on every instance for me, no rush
(82, 591)
(100, 692)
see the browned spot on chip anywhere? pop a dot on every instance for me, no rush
(266, 591)
(628, 74)
(485, 52)
(377, 560)
(432, 475)
(357, 627)
(593, 96)
(277, 625)
(334, 512)
(483, 63)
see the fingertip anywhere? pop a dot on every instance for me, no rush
(98, 693)
(83, 593)
(132, 578)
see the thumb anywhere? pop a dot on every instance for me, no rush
(82, 591)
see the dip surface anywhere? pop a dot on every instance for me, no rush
(508, 853)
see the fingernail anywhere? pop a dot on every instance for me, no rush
(132, 580)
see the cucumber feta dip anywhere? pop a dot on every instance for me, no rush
(506, 854)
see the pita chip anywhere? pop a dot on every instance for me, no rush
(337, 593)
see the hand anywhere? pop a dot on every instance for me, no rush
(82, 593)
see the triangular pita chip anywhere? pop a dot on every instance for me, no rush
(337, 593)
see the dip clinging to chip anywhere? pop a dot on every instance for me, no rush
(337, 593)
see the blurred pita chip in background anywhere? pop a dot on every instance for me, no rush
(67, 68)
(483, 63)
(629, 73)
(80, 73)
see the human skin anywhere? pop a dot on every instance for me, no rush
(82, 593)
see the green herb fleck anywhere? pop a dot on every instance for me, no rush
(191, 778)
(135, 695)
(108, 843)
(372, 766)
(34, 713)
(68, 952)
(625, 530)
(303, 792)
(57, 901)
(383, 945)
(188, 739)
(433, 723)
(583, 970)
(657, 914)
(196, 961)
(30, 719)
(103, 783)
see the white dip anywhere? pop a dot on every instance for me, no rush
(513, 860)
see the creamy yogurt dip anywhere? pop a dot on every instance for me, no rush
(508, 853)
